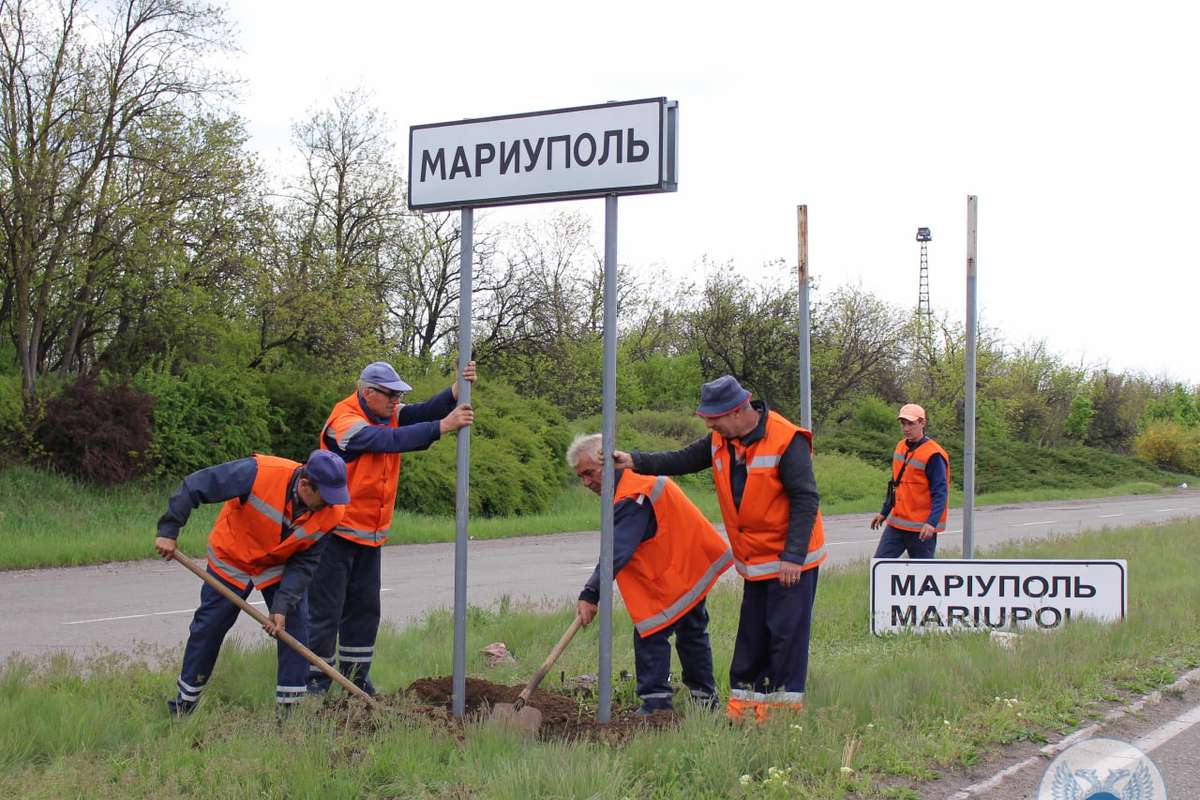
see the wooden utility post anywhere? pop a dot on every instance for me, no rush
(805, 324)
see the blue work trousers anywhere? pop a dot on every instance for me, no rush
(343, 611)
(894, 542)
(212, 621)
(770, 654)
(652, 660)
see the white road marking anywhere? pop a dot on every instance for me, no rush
(142, 616)
(1042, 522)
(1106, 516)
(1070, 508)
(1168, 731)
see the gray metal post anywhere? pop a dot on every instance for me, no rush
(608, 443)
(805, 323)
(463, 467)
(969, 407)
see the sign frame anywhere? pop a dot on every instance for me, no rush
(668, 158)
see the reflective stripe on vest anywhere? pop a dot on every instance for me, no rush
(693, 594)
(671, 572)
(242, 578)
(753, 571)
(360, 535)
(298, 532)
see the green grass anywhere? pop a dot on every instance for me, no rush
(915, 706)
(49, 520)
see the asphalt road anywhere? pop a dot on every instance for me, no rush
(145, 606)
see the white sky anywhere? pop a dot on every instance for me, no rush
(1076, 123)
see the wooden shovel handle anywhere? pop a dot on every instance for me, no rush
(284, 636)
(550, 659)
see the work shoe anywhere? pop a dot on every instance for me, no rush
(178, 707)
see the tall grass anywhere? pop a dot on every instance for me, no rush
(915, 705)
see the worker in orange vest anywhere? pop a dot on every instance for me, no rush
(270, 534)
(762, 471)
(666, 558)
(916, 502)
(369, 430)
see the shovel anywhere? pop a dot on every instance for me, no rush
(284, 636)
(517, 714)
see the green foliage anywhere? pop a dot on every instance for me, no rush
(668, 381)
(1080, 417)
(1177, 405)
(517, 450)
(98, 432)
(1171, 446)
(874, 415)
(11, 410)
(207, 416)
(301, 400)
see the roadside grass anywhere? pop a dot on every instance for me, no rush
(49, 520)
(903, 707)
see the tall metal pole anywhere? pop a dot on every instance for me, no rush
(805, 323)
(463, 467)
(969, 409)
(608, 443)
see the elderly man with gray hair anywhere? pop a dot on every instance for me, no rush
(666, 558)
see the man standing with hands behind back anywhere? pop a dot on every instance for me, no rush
(917, 498)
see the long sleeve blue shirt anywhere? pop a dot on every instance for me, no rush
(235, 480)
(419, 427)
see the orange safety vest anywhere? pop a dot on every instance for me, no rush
(251, 542)
(913, 502)
(675, 569)
(757, 529)
(372, 478)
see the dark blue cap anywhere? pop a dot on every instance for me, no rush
(381, 374)
(328, 472)
(722, 396)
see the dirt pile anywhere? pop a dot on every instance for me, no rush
(563, 716)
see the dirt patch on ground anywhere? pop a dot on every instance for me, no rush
(564, 717)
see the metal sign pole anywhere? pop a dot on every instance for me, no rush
(463, 467)
(805, 322)
(969, 408)
(608, 444)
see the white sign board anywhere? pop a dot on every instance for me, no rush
(936, 595)
(588, 151)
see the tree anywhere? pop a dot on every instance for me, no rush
(76, 96)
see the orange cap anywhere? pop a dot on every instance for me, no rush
(911, 412)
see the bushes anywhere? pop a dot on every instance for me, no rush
(517, 449)
(1170, 446)
(301, 401)
(206, 416)
(97, 432)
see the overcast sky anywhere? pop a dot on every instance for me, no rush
(1075, 123)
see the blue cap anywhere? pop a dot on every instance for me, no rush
(722, 396)
(381, 374)
(328, 472)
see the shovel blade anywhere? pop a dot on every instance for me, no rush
(526, 719)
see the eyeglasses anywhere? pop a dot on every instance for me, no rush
(390, 395)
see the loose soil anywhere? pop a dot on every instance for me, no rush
(564, 717)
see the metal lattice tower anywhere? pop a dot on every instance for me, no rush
(924, 237)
